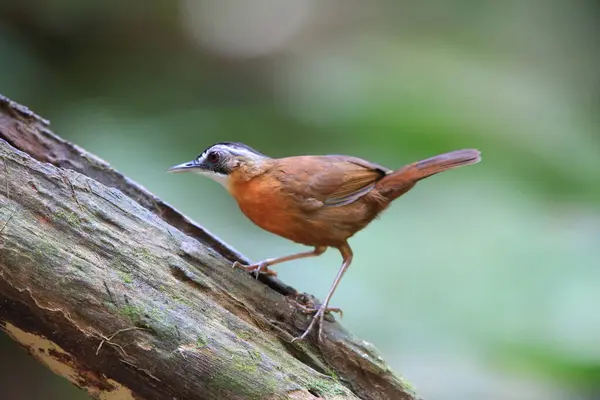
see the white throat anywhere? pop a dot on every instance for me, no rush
(220, 178)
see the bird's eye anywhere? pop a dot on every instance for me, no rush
(213, 157)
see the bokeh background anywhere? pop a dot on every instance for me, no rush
(481, 283)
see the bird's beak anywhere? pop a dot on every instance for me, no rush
(185, 167)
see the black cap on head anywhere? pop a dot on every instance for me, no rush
(234, 145)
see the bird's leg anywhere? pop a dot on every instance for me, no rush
(312, 310)
(263, 266)
(320, 312)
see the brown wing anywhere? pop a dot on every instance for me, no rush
(328, 180)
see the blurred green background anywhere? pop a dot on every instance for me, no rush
(481, 283)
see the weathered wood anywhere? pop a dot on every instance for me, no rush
(116, 290)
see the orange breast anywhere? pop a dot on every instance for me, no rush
(262, 201)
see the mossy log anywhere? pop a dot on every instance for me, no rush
(118, 292)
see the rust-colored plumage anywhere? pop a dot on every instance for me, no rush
(318, 201)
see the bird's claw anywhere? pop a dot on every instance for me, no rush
(318, 317)
(255, 269)
(312, 310)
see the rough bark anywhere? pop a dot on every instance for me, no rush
(117, 291)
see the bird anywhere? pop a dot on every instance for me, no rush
(319, 201)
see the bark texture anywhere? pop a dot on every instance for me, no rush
(117, 291)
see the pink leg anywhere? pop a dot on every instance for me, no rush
(320, 312)
(263, 266)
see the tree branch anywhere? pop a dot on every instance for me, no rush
(114, 289)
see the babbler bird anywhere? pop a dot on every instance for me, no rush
(318, 201)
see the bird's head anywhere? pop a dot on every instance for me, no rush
(220, 160)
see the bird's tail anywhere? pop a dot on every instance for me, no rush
(402, 180)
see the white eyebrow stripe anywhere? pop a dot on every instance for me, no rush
(243, 152)
(238, 151)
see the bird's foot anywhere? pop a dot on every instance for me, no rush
(255, 269)
(318, 317)
(312, 310)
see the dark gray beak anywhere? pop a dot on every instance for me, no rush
(185, 167)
